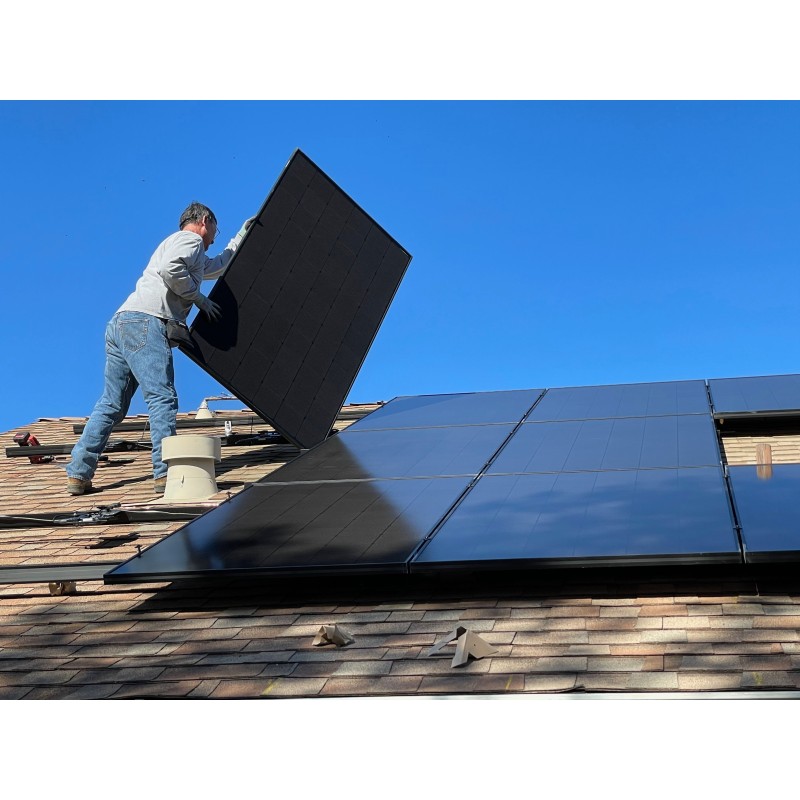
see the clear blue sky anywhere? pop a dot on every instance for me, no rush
(553, 243)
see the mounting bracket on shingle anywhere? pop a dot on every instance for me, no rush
(468, 645)
(333, 634)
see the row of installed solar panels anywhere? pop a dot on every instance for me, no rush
(628, 474)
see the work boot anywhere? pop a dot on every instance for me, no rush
(160, 484)
(78, 485)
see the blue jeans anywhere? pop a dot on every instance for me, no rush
(137, 354)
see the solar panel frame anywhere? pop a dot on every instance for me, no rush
(302, 301)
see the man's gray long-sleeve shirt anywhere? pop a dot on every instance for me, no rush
(171, 281)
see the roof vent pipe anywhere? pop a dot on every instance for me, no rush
(191, 459)
(204, 412)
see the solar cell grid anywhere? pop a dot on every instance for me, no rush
(768, 510)
(475, 408)
(609, 444)
(302, 528)
(762, 394)
(397, 453)
(313, 268)
(636, 516)
(624, 400)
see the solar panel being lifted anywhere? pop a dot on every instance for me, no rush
(301, 302)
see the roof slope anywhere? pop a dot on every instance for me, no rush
(688, 630)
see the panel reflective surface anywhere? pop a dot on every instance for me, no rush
(624, 400)
(647, 516)
(301, 303)
(769, 511)
(608, 444)
(303, 529)
(474, 408)
(396, 453)
(758, 394)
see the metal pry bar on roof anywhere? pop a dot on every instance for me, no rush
(333, 634)
(468, 644)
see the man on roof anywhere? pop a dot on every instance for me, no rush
(138, 351)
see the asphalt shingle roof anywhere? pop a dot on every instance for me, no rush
(641, 630)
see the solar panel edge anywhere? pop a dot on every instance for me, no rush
(223, 381)
(339, 188)
(267, 199)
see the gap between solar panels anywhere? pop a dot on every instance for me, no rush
(301, 302)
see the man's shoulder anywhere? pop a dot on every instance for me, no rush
(184, 242)
(181, 237)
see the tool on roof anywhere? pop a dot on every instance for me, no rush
(38, 451)
(468, 645)
(114, 514)
(27, 439)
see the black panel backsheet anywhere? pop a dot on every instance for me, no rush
(301, 303)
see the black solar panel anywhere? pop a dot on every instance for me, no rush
(397, 453)
(582, 476)
(564, 519)
(624, 400)
(766, 394)
(769, 511)
(302, 528)
(302, 301)
(475, 408)
(607, 444)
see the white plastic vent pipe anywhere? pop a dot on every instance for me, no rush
(204, 412)
(190, 460)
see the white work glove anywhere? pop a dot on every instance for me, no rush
(246, 227)
(208, 307)
(237, 240)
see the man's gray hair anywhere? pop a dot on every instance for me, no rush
(196, 212)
